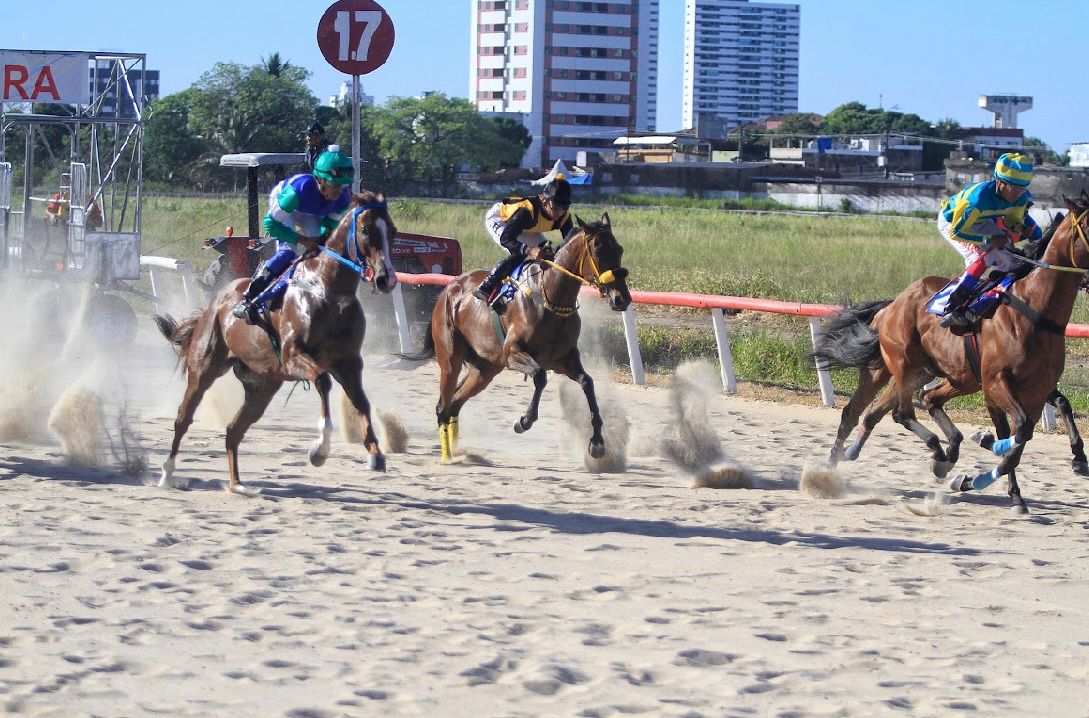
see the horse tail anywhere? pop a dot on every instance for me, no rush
(426, 352)
(180, 334)
(847, 339)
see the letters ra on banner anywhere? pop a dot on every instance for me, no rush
(34, 76)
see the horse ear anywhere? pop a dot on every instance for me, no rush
(579, 222)
(1070, 203)
(605, 219)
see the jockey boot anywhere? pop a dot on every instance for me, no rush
(491, 282)
(957, 314)
(248, 309)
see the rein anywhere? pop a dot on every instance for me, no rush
(355, 259)
(1079, 233)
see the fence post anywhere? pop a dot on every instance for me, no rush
(725, 358)
(824, 378)
(401, 316)
(1048, 418)
(631, 337)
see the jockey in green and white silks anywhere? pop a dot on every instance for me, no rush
(982, 222)
(302, 208)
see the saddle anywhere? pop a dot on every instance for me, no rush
(510, 286)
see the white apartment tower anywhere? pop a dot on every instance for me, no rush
(740, 60)
(580, 74)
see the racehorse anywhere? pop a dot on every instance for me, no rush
(316, 333)
(538, 331)
(1021, 354)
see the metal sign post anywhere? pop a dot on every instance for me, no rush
(356, 37)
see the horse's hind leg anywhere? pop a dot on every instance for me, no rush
(319, 452)
(201, 376)
(934, 400)
(572, 367)
(1077, 447)
(349, 374)
(870, 382)
(259, 391)
(527, 420)
(476, 380)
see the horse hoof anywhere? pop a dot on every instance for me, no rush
(376, 462)
(520, 425)
(851, 452)
(243, 490)
(173, 482)
(1081, 468)
(983, 438)
(597, 449)
(317, 456)
(941, 469)
(960, 482)
(1019, 510)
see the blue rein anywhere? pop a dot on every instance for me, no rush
(357, 265)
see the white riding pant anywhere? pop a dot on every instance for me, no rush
(1000, 259)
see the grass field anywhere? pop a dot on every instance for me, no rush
(818, 258)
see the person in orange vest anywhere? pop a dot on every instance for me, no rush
(56, 210)
(518, 224)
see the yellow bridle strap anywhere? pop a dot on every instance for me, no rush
(1080, 234)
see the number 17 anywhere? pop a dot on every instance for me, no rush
(371, 19)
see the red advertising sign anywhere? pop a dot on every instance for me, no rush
(355, 36)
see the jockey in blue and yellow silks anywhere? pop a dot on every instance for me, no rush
(302, 209)
(982, 222)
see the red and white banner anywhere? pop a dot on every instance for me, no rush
(34, 76)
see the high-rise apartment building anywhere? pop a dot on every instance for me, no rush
(580, 74)
(117, 83)
(740, 60)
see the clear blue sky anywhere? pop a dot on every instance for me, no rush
(930, 57)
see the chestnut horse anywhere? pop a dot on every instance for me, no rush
(1022, 352)
(537, 332)
(319, 325)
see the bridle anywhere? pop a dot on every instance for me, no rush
(354, 256)
(601, 281)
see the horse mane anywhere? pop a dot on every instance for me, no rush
(1035, 250)
(588, 227)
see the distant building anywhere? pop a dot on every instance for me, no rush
(1079, 154)
(987, 143)
(740, 60)
(118, 89)
(579, 73)
(343, 98)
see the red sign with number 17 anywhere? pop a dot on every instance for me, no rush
(355, 36)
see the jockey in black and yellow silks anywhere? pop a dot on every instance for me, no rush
(518, 225)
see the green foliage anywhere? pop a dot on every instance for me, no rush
(798, 123)
(1044, 152)
(172, 149)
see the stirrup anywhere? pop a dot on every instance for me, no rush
(482, 295)
(241, 310)
(955, 319)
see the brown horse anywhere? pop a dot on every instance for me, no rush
(537, 332)
(1022, 351)
(319, 325)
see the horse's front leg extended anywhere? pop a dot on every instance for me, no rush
(934, 401)
(573, 368)
(349, 374)
(319, 452)
(524, 422)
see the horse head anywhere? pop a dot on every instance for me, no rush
(599, 261)
(363, 238)
(1078, 219)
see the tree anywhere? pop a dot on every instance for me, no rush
(172, 149)
(798, 123)
(274, 65)
(1044, 152)
(511, 142)
(429, 137)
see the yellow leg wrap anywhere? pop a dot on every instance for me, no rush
(444, 441)
(453, 432)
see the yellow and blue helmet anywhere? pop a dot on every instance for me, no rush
(1014, 168)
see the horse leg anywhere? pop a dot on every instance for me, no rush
(1077, 447)
(349, 374)
(319, 452)
(934, 400)
(524, 422)
(870, 382)
(198, 384)
(298, 364)
(259, 391)
(475, 381)
(572, 367)
(877, 412)
(450, 356)
(1010, 449)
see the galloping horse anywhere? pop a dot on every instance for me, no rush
(1021, 353)
(537, 332)
(320, 327)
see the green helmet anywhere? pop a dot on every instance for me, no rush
(334, 166)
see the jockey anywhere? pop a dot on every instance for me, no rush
(518, 224)
(302, 209)
(982, 222)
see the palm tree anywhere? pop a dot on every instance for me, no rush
(274, 65)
